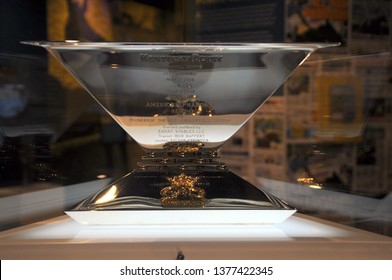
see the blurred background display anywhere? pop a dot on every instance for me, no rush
(323, 142)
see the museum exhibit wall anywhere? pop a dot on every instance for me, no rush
(322, 142)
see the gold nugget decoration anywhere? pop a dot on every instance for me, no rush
(183, 147)
(188, 105)
(182, 192)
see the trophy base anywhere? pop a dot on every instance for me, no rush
(226, 217)
(144, 198)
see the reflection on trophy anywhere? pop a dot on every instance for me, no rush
(182, 192)
(180, 102)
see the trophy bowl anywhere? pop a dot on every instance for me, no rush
(180, 102)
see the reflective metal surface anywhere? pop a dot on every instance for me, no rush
(162, 93)
(180, 102)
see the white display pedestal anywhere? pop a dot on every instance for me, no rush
(299, 237)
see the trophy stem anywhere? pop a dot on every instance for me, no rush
(182, 156)
(182, 161)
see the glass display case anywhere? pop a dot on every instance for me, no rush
(322, 142)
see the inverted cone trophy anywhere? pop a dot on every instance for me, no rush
(180, 102)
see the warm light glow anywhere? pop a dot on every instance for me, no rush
(315, 187)
(108, 196)
(309, 181)
(73, 42)
(306, 180)
(102, 176)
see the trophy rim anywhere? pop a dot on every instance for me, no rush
(202, 45)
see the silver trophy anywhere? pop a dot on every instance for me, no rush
(180, 102)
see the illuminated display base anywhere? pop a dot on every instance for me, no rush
(299, 237)
(181, 217)
(136, 199)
